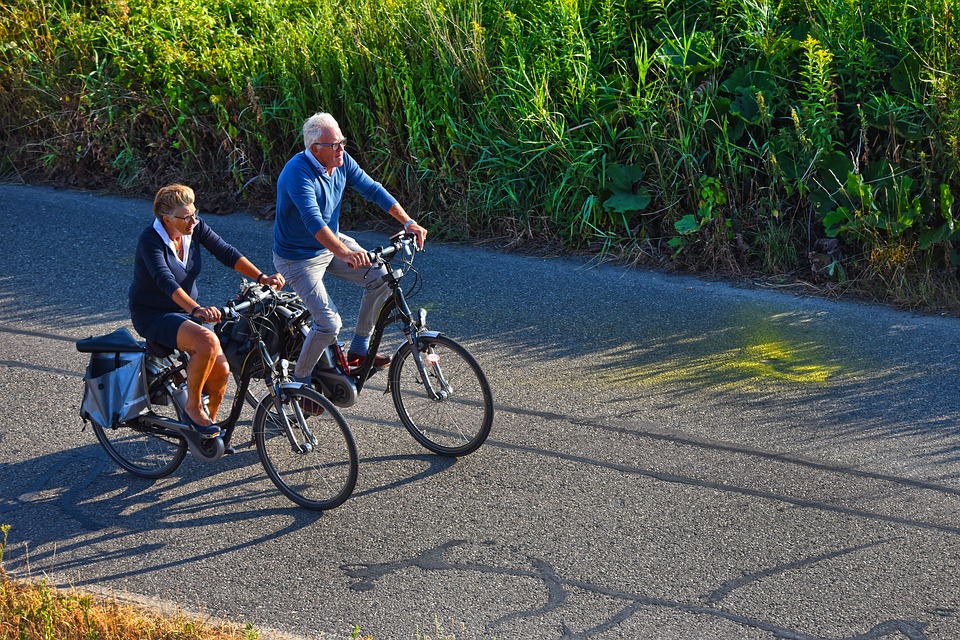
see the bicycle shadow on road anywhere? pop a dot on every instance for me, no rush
(73, 510)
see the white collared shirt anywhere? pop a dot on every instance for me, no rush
(158, 227)
(316, 163)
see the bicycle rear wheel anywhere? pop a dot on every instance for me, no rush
(456, 422)
(145, 450)
(314, 462)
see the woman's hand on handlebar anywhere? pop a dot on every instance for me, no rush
(209, 315)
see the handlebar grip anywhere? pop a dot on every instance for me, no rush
(251, 296)
(232, 310)
(385, 254)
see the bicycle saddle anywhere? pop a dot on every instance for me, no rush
(120, 341)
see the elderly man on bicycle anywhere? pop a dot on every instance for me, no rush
(308, 243)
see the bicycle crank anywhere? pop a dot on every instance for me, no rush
(206, 449)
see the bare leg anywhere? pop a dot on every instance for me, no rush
(217, 384)
(203, 348)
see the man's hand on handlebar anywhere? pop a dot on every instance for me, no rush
(357, 259)
(276, 281)
(419, 233)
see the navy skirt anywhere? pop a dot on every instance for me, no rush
(159, 326)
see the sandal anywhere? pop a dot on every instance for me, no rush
(206, 431)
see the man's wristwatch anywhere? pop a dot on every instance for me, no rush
(406, 225)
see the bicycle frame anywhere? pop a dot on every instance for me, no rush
(449, 419)
(394, 309)
(212, 449)
(311, 459)
(412, 331)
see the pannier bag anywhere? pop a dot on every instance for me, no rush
(115, 388)
(237, 347)
(237, 344)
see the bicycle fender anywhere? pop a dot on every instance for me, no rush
(393, 360)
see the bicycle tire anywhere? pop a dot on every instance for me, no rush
(456, 424)
(144, 450)
(321, 477)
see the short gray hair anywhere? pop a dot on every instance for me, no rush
(170, 198)
(315, 126)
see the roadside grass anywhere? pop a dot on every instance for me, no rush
(35, 610)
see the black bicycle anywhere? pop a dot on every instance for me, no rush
(438, 388)
(302, 439)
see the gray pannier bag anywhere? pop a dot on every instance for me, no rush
(115, 388)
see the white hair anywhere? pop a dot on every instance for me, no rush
(315, 126)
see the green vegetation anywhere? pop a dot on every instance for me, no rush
(810, 139)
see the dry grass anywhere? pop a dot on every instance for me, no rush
(37, 611)
(34, 610)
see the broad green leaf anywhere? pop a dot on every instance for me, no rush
(627, 202)
(622, 178)
(836, 221)
(833, 170)
(686, 225)
(906, 75)
(930, 237)
(946, 202)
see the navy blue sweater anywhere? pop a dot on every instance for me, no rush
(157, 274)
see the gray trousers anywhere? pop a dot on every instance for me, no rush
(305, 277)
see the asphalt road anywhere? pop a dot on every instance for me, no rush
(671, 458)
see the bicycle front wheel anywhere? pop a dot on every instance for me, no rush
(311, 455)
(145, 450)
(454, 419)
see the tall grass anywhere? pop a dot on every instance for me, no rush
(817, 138)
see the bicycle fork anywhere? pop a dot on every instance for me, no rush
(431, 360)
(277, 391)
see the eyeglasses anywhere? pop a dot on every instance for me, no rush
(342, 144)
(191, 219)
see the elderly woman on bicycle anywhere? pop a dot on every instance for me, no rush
(163, 297)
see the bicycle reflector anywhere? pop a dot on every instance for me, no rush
(433, 358)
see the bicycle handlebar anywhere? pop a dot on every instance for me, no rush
(383, 255)
(250, 295)
(254, 293)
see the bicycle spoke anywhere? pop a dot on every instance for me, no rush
(310, 456)
(452, 411)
